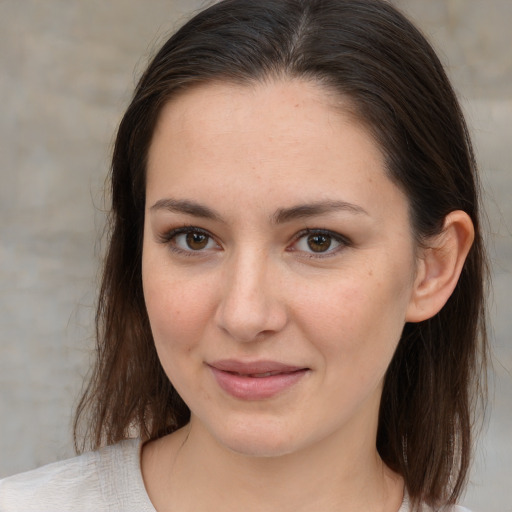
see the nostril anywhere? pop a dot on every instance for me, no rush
(252, 322)
(250, 308)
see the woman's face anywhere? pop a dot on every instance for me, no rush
(278, 265)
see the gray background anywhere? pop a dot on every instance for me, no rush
(67, 71)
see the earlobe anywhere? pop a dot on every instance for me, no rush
(440, 266)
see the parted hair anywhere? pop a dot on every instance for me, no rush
(368, 53)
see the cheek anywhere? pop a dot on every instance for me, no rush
(178, 310)
(178, 313)
(356, 321)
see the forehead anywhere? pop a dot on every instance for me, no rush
(288, 141)
(272, 115)
(219, 105)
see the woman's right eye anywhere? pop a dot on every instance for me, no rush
(190, 240)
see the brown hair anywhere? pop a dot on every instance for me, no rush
(367, 51)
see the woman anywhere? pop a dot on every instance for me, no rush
(291, 314)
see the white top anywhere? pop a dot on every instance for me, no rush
(107, 480)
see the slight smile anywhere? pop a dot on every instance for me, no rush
(257, 380)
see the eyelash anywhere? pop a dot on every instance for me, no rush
(343, 242)
(169, 239)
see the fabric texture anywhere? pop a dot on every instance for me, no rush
(108, 480)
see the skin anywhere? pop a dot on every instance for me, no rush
(231, 164)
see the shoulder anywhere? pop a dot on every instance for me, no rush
(453, 508)
(406, 507)
(100, 481)
(64, 483)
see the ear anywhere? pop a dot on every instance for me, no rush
(439, 266)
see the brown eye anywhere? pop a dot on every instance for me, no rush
(196, 241)
(319, 242)
(190, 240)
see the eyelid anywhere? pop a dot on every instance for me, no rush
(170, 235)
(341, 239)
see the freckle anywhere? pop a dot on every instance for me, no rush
(370, 272)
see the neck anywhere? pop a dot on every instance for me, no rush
(192, 471)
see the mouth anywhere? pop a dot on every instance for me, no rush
(257, 380)
(258, 375)
(254, 368)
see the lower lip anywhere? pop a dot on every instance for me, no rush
(256, 388)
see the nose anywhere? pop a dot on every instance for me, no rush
(251, 305)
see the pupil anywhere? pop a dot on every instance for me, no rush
(197, 241)
(319, 243)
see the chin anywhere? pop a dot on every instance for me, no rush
(264, 448)
(259, 440)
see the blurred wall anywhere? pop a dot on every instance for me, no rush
(67, 71)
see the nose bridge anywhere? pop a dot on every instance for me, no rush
(249, 304)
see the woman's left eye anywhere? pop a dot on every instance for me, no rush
(319, 242)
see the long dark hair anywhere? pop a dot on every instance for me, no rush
(368, 52)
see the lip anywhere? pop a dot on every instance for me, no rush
(256, 380)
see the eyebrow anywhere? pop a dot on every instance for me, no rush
(186, 206)
(281, 216)
(312, 209)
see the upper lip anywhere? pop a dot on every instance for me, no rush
(253, 367)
